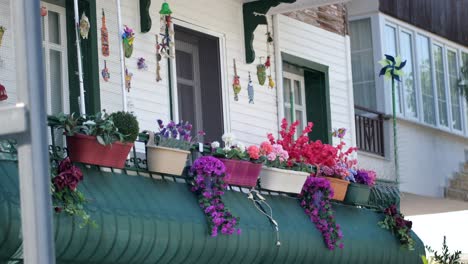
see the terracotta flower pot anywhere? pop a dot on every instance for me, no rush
(241, 173)
(289, 181)
(166, 160)
(339, 188)
(357, 194)
(86, 149)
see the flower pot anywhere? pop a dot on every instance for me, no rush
(357, 194)
(241, 173)
(282, 180)
(86, 149)
(166, 160)
(339, 188)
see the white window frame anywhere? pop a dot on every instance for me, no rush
(460, 97)
(416, 84)
(295, 77)
(434, 84)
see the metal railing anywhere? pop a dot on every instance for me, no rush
(370, 130)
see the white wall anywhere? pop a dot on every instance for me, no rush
(7, 54)
(330, 49)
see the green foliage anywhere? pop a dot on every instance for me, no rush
(172, 143)
(127, 124)
(445, 257)
(99, 125)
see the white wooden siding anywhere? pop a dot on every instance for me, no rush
(7, 54)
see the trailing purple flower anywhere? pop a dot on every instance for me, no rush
(315, 199)
(207, 179)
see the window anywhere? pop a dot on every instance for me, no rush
(362, 60)
(390, 48)
(455, 99)
(294, 99)
(440, 85)
(425, 75)
(409, 89)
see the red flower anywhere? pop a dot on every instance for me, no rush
(254, 152)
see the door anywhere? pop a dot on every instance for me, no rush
(54, 43)
(199, 88)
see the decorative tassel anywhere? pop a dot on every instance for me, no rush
(105, 72)
(236, 83)
(158, 60)
(250, 90)
(104, 37)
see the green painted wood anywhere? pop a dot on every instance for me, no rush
(251, 22)
(142, 220)
(89, 50)
(145, 17)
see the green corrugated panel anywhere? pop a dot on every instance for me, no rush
(142, 220)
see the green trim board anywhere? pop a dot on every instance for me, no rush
(251, 22)
(90, 55)
(145, 16)
(317, 91)
(143, 220)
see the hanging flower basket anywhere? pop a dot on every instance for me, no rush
(165, 160)
(289, 181)
(339, 188)
(86, 149)
(242, 173)
(357, 194)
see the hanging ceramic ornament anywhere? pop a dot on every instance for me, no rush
(2, 32)
(44, 11)
(128, 79)
(105, 72)
(261, 73)
(250, 90)
(141, 64)
(167, 48)
(84, 26)
(236, 83)
(128, 37)
(271, 83)
(3, 93)
(268, 62)
(104, 36)
(158, 60)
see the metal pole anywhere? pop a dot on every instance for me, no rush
(122, 58)
(79, 58)
(33, 158)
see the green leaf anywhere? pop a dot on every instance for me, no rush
(100, 140)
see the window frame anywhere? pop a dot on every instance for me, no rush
(417, 93)
(448, 49)
(295, 77)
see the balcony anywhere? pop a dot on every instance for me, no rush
(370, 130)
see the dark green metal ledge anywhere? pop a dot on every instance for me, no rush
(142, 220)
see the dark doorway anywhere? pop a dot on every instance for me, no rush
(199, 82)
(316, 104)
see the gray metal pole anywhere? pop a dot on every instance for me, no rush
(33, 157)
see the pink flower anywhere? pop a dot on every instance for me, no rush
(266, 148)
(254, 152)
(271, 156)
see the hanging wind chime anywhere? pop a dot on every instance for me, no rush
(166, 46)
(271, 83)
(105, 72)
(104, 36)
(128, 37)
(84, 26)
(250, 90)
(236, 83)
(158, 60)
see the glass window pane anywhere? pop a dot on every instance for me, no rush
(54, 27)
(56, 81)
(287, 114)
(454, 92)
(406, 45)
(299, 118)
(286, 90)
(465, 64)
(362, 60)
(440, 85)
(391, 49)
(42, 27)
(424, 65)
(297, 93)
(184, 65)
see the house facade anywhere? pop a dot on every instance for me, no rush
(431, 111)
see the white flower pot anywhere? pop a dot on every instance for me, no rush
(166, 160)
(282, 180)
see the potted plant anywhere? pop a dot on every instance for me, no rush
(97, 139)
(242, 164)
(359, 191)
(168, 149)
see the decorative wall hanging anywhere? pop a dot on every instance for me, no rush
(141, 64)
(236, 83)
(44, 11)
(128, 37)
(105, 72)
(166, 47)
(145, 17)
(271, 83)
(250, 90)
(84, 26)
(128, 79)
(158, 60)
(261, 72)
(3, 93)
(2, 32)
(104, 36)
